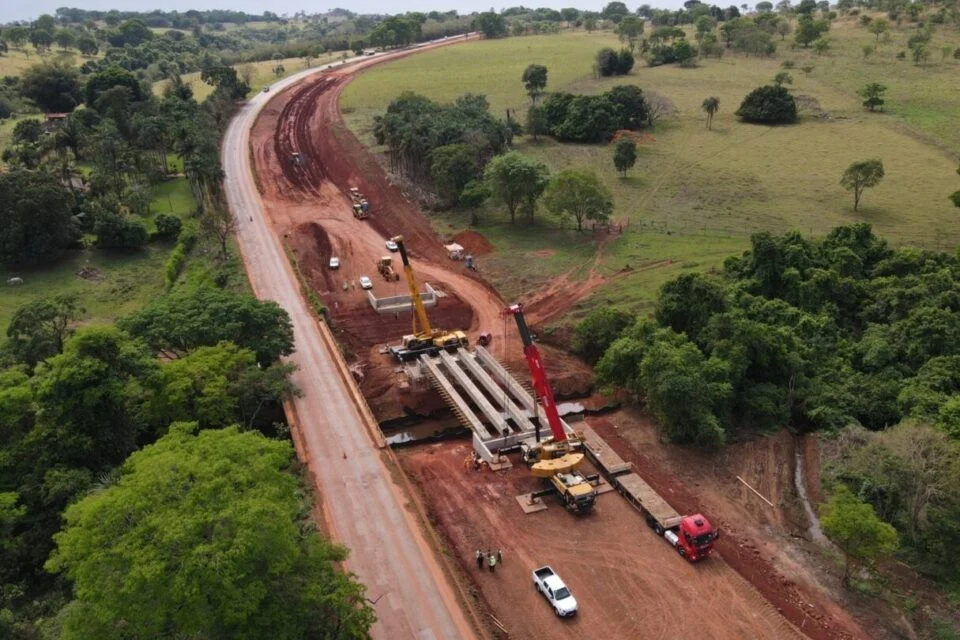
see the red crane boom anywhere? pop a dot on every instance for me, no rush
(538, 373)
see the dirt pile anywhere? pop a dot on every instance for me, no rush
(473, 243)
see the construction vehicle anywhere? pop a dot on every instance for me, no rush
(361, 208)
(385, 268)
(296, 159)
(557, 457)
(426, 339)
(692, 536)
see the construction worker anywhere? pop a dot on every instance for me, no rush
(492, 560)
(479, 559)
(499, 555)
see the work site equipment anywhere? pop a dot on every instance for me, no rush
(385, 268)
(361, 208)
(426, 339)
(296, 159)
(554, 458)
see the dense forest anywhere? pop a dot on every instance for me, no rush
(813, 334)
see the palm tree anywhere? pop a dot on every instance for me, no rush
(711, 105)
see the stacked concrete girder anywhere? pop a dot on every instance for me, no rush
(485, 397)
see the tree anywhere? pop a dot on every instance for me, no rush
(764, 6)
(589, 119)
(170, 548)
(491, 23)
(113, 76)
(515, 180)
(38, 329)
(878, 27)
(87, 45)
(860, 176)
(625, 155)
(54, 86)
(598, 331)
(711, 105)
(868, 50)
(219, 224)
(536, 122)
(473, 196)
(36, 217)
(615, 12)
(65, 39)
(535, 81)
(611, 63)
(452, 166)
(580, 195)
(17, 36)
(784, 29)
(629, 30)
(768, 105)
(168, 226)
(782, 78)
(821, 45)
(920, 53)
(809, 30)
(687, 303)
(634, 111)
(88, 398)
(854, 526)
(684, 53)
(217, 386)
(41, 39)
(189, 318)
(116, 230)
(872, 95)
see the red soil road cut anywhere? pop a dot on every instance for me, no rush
(305, 120)
(628, 582)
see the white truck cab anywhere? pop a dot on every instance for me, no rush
(549, 584)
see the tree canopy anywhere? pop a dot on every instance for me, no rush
(861, 175)
(769, 104)
(580, 195)
(535, 81)
(36, 217)
(199, 536)
(855, 527)
(517, 182)
(204, 316)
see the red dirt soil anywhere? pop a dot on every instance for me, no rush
(473, 243)
(704, 482)
(629, 583)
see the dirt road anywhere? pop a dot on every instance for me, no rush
(628, 582)
(363, 506)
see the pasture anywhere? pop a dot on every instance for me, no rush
(695, 195)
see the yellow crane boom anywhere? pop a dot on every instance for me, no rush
(420, 312)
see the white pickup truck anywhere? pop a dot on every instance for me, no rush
(555, 591)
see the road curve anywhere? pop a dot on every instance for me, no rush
(363, 506)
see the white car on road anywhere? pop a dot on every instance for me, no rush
(391, 245)
(365, 283)
(334, 262)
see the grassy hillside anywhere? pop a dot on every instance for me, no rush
(696, 195)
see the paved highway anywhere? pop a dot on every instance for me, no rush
(364, 508)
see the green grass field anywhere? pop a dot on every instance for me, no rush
(695, 195)
(261, 74)
(126, 281)
(16, 61)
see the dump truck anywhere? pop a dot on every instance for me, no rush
(359, 213)
(385, 268)
(549, 584)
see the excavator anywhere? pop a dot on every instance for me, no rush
(427, 339)
(556, 457)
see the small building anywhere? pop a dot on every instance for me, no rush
(454, 251)
(52, 121)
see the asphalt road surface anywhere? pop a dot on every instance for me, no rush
(364, 508)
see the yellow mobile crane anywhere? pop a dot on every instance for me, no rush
(427, 339)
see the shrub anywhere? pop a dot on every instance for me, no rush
(768, 105)
(611, 63)
(168, 226)
(118, 231)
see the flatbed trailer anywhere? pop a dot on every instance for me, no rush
(692, 536)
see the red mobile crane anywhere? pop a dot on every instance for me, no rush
(557, 457)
